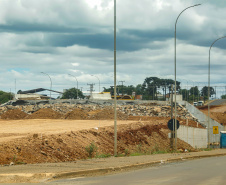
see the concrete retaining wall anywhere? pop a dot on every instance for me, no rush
(214, 138)
(196, 137)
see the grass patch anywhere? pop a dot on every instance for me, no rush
(207, 149)
(161, 152)
(120, 155)
(138, 154)
(103, 155)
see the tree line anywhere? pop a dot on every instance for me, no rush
(152, 87)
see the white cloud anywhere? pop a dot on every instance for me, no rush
(76, 36)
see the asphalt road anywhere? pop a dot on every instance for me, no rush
(218, 102)
(206, 171)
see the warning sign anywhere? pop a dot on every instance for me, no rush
(215, 130)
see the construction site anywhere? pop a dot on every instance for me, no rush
(57, 131)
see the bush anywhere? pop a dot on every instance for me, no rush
(91, 149)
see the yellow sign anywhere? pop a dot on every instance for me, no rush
(215, 130)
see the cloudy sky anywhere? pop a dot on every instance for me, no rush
(61, 37)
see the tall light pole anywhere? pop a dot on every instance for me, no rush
(115, 101)
(77, 83)
(175, 92)
(50, 83)
(193, 90)
(209, 91)
(98, 79)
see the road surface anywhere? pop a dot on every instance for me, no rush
(206, 171)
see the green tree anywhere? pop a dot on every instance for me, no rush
(72, 94)
(204, 92)
(184, 93)
(138, 89)
(122, 89)
(223, 96)
(194, 94)
(5, 96)
(194, 91)
(149, 88)
(151, 84)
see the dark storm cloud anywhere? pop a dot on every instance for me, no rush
(208, 42)
(28, 27)
(127, 40)
(39, 50)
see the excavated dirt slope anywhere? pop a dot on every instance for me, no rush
(140, 137)
(49, 136)
(14, 114)
(217, 113)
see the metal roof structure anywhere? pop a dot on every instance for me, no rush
(37, 90)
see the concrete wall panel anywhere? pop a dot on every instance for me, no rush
(196, 137)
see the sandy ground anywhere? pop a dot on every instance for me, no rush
(14, 129)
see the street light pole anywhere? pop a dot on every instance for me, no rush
(175, 73)
(115, 101)
(98, 79)
(50, 83)
(209, 91)
(77, 83)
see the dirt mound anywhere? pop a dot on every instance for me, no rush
(46, 113)
(13, 114)
(107, 114)
(160, 120)
(220, 117)
(205, 107)
(218, 113)
(70, 146)
(77, 114)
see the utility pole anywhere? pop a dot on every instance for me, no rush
(15, 86)
(215, 92)
(171, 115)
(165, 90)
(115, 100)
(224, 91)
(122, 86)
(91, 89)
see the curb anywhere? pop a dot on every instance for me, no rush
(93, 172)
(43, 177)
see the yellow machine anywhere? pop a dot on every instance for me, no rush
(123, 97)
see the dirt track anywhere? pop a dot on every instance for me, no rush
(11, 129)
